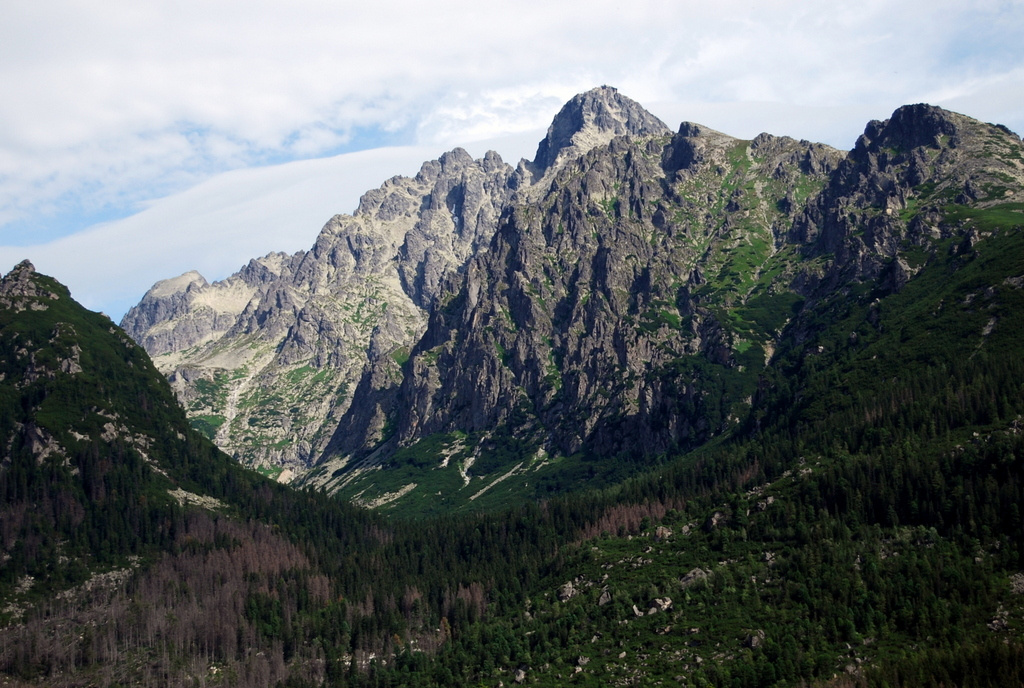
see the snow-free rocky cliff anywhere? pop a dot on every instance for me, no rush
(266, 361)
(615, 297)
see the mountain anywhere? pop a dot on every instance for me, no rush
(590, 120)
(133, 552)
(631, 307)
(866, 532)
(111, 509)
(477, 335)
(266, 361)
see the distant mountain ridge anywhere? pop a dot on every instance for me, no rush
(266, 360)
(267, 357)
(617, 298)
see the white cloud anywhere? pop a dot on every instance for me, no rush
(109, 106)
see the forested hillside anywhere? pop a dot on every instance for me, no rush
(872, 540)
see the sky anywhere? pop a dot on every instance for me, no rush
(139, 140)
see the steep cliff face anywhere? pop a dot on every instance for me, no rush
(594, 320)
(896, 189)
(266, 360)
(633, 296)
(588, 122)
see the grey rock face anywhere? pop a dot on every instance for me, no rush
(267, 360)
(912, 165)
(577, 314)
(184, 311)
(591, 119)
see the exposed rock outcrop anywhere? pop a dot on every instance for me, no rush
(893, 188)
(589, 120)
(20, 291)
(266, 361)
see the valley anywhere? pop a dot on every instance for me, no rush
(659, 407)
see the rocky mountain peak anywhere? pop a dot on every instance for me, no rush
(912, 126)
(591, 119)
(19, 288)
(897, 185)
(186, 310)
(19, 276)
(175, 285)
(24, 266)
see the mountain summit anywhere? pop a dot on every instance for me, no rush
(591, 119)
